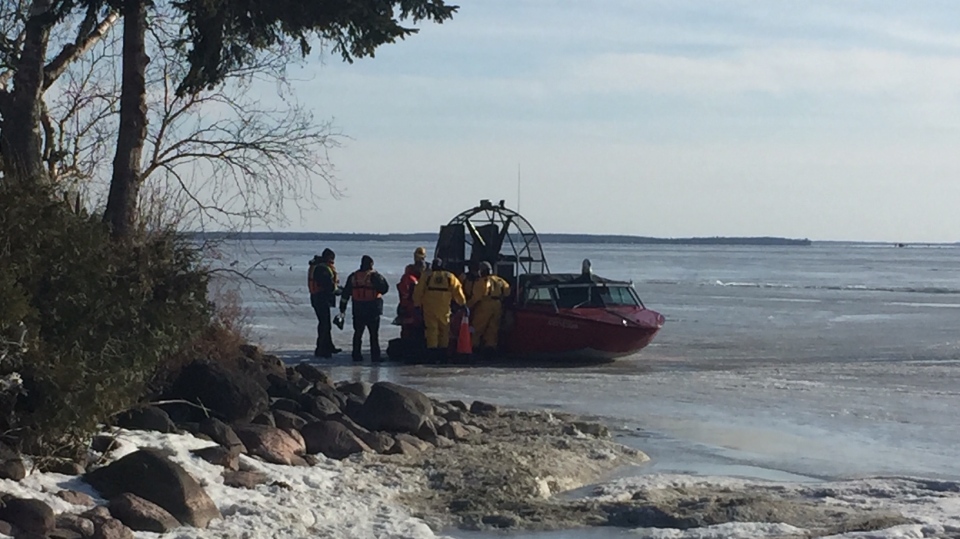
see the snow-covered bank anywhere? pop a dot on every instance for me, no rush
(336, 499)
(510, 478)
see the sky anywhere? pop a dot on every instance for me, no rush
(820, 119)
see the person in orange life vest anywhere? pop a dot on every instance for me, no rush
(366, 288)
(411, 321)
(433, 294)
(486, 307)
(324, 286)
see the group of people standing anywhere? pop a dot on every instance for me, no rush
(428, 296)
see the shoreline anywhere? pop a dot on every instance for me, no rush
(501, 470)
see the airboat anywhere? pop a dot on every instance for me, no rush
(548, 316)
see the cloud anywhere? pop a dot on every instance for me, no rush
(777, 70)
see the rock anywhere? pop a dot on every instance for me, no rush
(309, 418)
(220, 456)
(325, 390)
(319, 406)
(83, 526)
(31, 516)
(500, 521)
(234, 396)
(111, 528)
(286, 405)
(59, 533)
(443, 442)
(282, 388)
(99, 512)
(313, 374)
(455, 431)
(460, 405)
(473, 429)
(403, 447)
(593, 429)
(6, 528)
(104, 443)
(222, 433)
(394, 408)
(484, 408)
(148, 473)
(140, 515)
(288, 420)
(271, 444)
(62, 466)
(417, 443)
(11, 464)
(380, 442)
(333, 439)
(357, 389)
(266, 418)
(248, 480)
(76, 498)
(149, 418)
(428, 431)
(353, 407)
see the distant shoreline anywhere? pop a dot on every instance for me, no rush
(431, 238)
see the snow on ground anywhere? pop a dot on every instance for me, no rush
(348, 499)
(934, 505)
(332, 499)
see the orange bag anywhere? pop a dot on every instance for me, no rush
(464, 345)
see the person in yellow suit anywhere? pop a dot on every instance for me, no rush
(486, 306)
(434, 294)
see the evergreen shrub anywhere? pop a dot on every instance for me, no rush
(100, 318)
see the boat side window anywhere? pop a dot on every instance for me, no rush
(616, 296)
(538, 296)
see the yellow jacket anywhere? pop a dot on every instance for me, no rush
(436, 290)
(491, 287)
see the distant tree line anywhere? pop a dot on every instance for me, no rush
(431, 238)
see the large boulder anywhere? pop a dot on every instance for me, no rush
(333, 439)
(69, 521)
(29, 515)
(149, 418)
(288, 421)
(394, 408)
(148, 473)
(319, 406)
(313, 374)
(231, 395)
(11, 465)
(142, 515)
(271, 444)
(358, 389)
(223, 434)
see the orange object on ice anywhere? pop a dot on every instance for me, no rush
(464, 346)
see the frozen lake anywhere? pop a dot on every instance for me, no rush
(786, 363)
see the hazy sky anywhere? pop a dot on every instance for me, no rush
(819, 119)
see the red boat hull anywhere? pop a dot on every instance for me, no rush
(584, 333)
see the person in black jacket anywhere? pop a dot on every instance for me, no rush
(366, 288)
(324, 287)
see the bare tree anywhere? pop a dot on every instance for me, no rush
(226, 158)
(29, 31)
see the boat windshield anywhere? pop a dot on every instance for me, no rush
(578, 295)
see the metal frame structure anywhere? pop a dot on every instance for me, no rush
(514, 230)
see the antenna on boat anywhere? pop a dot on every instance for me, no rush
(518, 187)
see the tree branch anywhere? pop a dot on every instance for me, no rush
(72, 51)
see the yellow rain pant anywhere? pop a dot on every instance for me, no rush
(437, 327)
(486, 323)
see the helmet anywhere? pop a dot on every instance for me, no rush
(419, 253)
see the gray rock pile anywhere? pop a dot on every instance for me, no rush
(292, 416)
